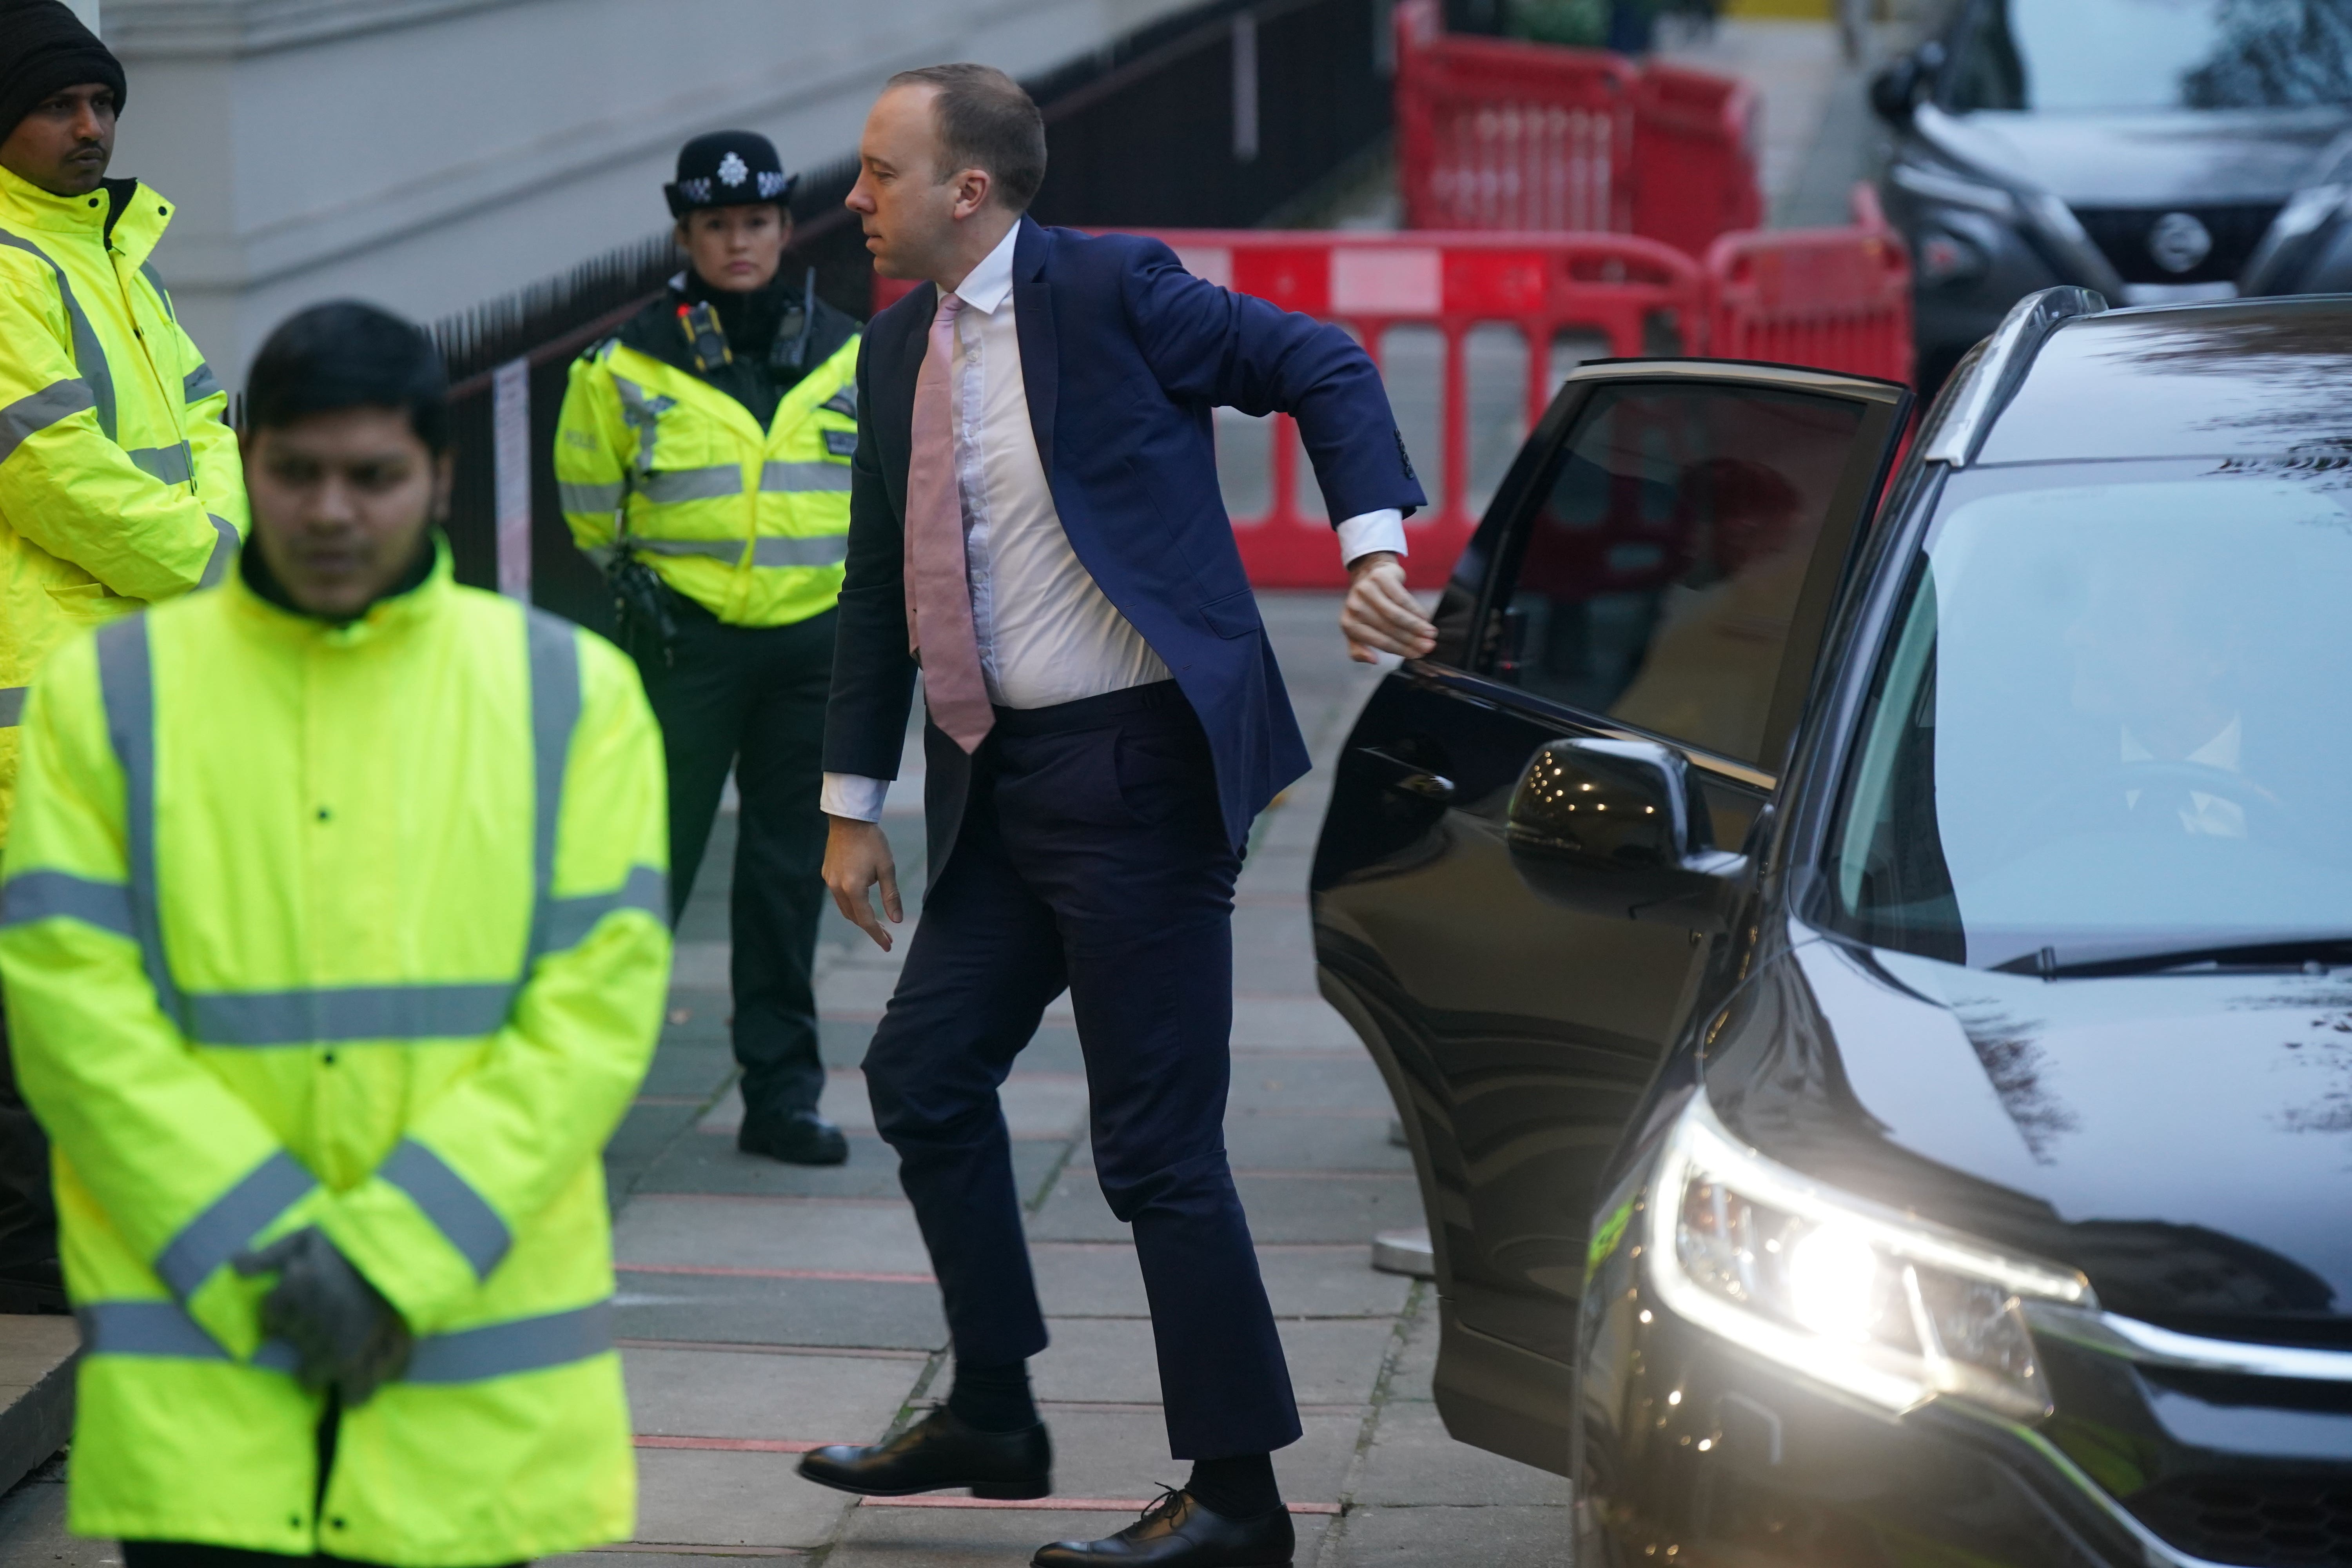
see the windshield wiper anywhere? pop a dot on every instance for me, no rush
(2288, 953)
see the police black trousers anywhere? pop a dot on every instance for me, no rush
(1092, 856)
(753, 699)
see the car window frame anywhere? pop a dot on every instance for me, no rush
(1494, 554)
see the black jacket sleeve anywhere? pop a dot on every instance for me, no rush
(873, 672)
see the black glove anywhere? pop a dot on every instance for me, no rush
(345, 1333)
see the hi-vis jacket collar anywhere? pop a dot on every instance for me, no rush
(389, 616)
(24, 206)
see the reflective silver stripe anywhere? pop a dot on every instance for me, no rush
(199, 384)
(642, 410)
(90, 357)
(827, 550)
(126, 680)
(469, 1355)
(844, 401)
(572, 918)
(590, 498)
(155, 278)
(675, 485)
(501, 1350)
(59, 895)
(554, 653)
(12, 705)
(461, 1214)
(224, 552)
(800, 479)
(29, 416)
(172, 465)
(727, 549)
(225, 1230)
(340, 1015)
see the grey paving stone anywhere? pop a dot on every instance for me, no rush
(1281, 1208)
(1416, 1363)
(646, 1129)
(1274, 951)
(1421, 1537)
(1309, 1083)
(1037, 1104)
(1123, 1453)
(655, 1557)
(1271, 1140)
(1101, 1279)
(689, 1069)
(989, 1538)
(725, 1394)
(706, 1162)
(704, 1498)
(778, 1312)
(1293, 1022)
(1413, 1461)
(33, 1527)
(1110, 1360)
(753, 1233)
(696, 1015)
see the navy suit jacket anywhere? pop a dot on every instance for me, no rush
(1123, 353)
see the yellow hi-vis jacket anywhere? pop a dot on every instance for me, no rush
(752, 524)
(119, 480)
(360, 928)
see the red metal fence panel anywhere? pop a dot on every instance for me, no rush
(1695, 173)
(1837, 299)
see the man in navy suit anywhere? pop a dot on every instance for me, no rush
(1034, 518)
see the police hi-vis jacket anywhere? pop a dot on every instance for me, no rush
(750, 523)
(118, 481)
(356, 927)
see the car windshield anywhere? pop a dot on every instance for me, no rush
(2114, 56)
(2107, 725)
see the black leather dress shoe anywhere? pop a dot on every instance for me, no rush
(939, 1453)
(797, 1138)
(1178, 1533)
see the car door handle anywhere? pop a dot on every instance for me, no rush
(1410, 778)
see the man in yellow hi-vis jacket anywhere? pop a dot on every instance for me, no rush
(704, 459)
(119, 482)
(333, 935)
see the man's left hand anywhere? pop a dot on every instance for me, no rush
(1381, 614)
(342, 1329)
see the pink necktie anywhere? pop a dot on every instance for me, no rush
(939, 594)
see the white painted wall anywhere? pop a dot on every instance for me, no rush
(429, 155)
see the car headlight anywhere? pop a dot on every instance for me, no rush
(1863, 1297)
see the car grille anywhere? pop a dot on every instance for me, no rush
(2260, 1522)
(2122, 233)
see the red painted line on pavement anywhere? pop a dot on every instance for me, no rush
(730, 1445)
(1055, 1504)
(846, 1276)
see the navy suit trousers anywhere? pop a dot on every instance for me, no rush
(1092, 856)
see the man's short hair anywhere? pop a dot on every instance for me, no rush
(986, 122)
(346, 354)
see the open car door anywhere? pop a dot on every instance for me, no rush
(1660, 564)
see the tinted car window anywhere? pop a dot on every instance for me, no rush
(2094, 56)
(1656, 576)
(2106, 724)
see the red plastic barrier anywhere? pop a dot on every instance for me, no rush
(1496, 133)
(1839, 299)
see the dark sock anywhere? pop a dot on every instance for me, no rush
(992, 1398)
(1239, 1488)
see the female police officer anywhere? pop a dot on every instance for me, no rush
(704, 461)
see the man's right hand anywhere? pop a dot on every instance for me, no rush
(856, 857)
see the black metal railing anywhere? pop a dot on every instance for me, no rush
(1217, 117)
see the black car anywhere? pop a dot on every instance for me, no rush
(1869, 987)
(2157, 150)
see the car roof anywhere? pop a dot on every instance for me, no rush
(2263, 377)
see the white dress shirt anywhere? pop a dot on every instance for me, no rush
(1048, 633)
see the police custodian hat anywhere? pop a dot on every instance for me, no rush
(728, 169)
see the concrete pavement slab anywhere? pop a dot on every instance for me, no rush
(1419, 1536)
(1413, 1461)
(753, 1233)
(1123, 1453)
(705, 1163)
(1272, 1140)
(688, 1070)
(33, 1526)
(696, 1497)
(717, 1394)
(1304, 1082)
(1293, 1022)
(696, 1015)
(1416, 1363)
(1037, 1104)
(989, 1538)
(1102, 1280)
(1111, 1361)
(1283, 1208)
(778, 1312)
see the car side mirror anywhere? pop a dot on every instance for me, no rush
(1618, 828)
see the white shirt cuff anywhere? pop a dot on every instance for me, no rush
(859, 799)
(1359, 536)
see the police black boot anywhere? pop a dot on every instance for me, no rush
(795, 1137)
(939, 1453)
(1180, 1532)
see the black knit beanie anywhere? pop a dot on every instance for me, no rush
(43, 47)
